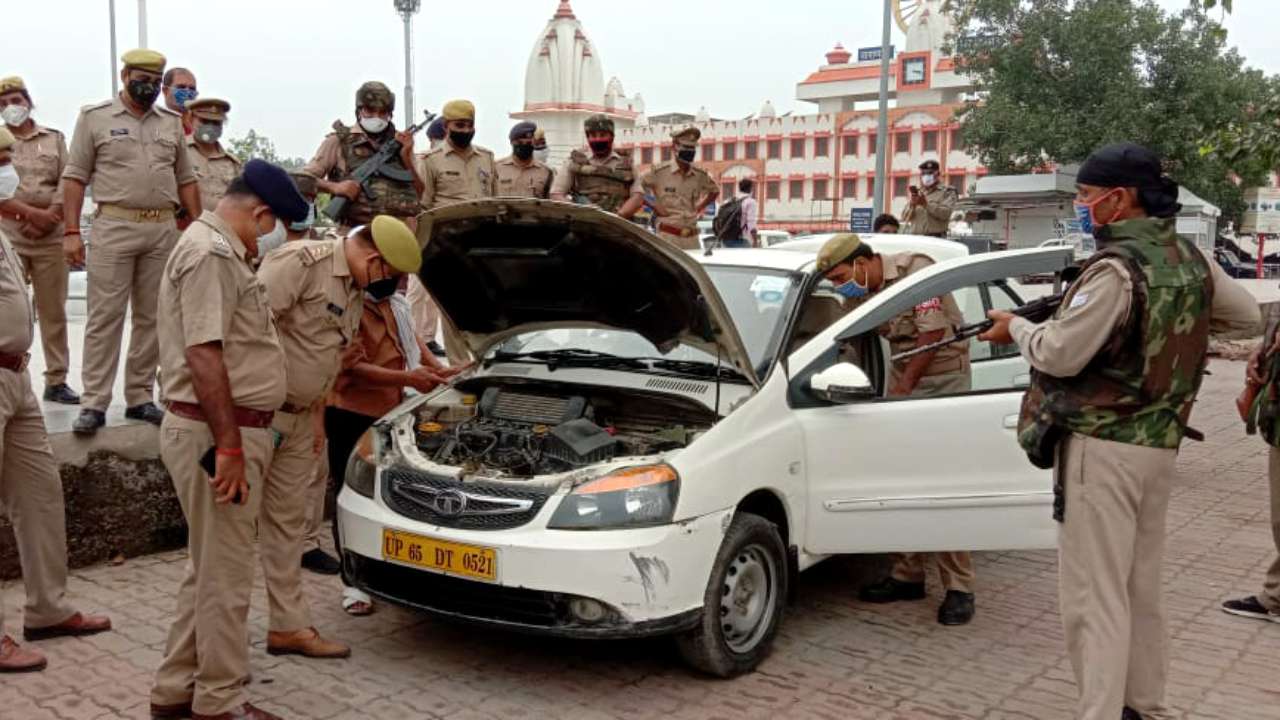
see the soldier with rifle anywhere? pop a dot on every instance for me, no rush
(599, 174)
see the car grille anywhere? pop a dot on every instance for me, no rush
(467, 506)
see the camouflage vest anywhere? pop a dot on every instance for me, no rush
(1265, 413)
(385, 196)
(607, 187)
(1140, 387)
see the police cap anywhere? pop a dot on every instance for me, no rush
(687, 136)
(209, 109)
(13, 83)
(930, 166)
(144, 59)
(272, 186)
(375, 96)
(838, 249)
(459, 110)
(396, 243)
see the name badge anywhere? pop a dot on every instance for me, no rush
(336, 310)
(454, 173)
(117, 132)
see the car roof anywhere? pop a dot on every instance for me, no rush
(767, 258)
(936, 248)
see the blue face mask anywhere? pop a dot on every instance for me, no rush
(182, 96)
(851, 290)
(305, 225)
(1084, 214)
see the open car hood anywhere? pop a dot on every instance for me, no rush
(502, 267)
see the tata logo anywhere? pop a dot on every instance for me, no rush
(449, 503)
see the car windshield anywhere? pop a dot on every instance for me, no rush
(758, 301)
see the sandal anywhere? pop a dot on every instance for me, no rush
(356, 602)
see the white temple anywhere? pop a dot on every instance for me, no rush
(564, 85)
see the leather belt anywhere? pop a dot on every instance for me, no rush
(677, 230)
(244, 417)
(292, 409)
(142, 215)
(16, 363)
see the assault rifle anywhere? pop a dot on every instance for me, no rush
(380, 163)
(1036, 311)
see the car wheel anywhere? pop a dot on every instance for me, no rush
(744, 602)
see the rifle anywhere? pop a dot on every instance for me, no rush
(378, 164)
(1037, 310)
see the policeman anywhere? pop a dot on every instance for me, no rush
(928, 210)
(859, 273)
(457, 170)
(179, 88)
(131, 151)
(306, 229)
(224, 377)
(681, 191)
(520, 174)
(1115, 372)
(33, 219)
(213, 166)
(435, 134)
(541, 152)
(30, 487)
(348, 147)
(598, 174)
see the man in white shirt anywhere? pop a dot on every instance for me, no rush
(750, 211)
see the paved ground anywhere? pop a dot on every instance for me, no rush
(836, 658)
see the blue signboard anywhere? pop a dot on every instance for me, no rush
(873, 53)
(861, 220)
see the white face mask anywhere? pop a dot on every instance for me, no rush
(928, 180)
(8, 181)
(272, 240)
(373, 125)
(15, 115)
(541, 155)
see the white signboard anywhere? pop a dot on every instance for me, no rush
(1262, 212)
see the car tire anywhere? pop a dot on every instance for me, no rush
(743, 606)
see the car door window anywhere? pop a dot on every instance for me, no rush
(996, 295)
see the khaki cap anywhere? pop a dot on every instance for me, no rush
(13, 83)
(144, 59)
(6, 138)
(459, 110)
(396, 243)
(687, 136)
(837, 250)
(209, 109)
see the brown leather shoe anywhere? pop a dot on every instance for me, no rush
(306, 643)
(78, 624)
(171, 712)
(244, 712)
(16, 659)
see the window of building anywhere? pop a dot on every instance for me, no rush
(849, 188)
(900, 185)
(666, 153)
(821, 147)
(902, 142)
(871, 187)
(646, 156)
(796, 191)
(752, 150)
(850, 143)
(819, 189)
(726, 190)
(797, 148)
(956, 180)
(773, 190)
(929, 141)
(708, 152)
(729, 152)
(775, 149)
(871, 143)
(957, 142)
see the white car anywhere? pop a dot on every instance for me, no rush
(657, 442)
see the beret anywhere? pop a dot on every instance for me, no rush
(272, 186)
(144, 59)
(459, 110)
(837, 250)
(396, 243)
(522, 129)
(435, 131)
(13, 83)
(6, 138)
(209, 108)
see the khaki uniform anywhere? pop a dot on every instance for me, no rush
(40, 159)
(607, 194)
(516, 180)
(935, 217)
(679, 193)
(213, 173)
(317, 307)
(1111, 542)
(30, 487)
(131, 164)
(211, 294)
(1270, 595)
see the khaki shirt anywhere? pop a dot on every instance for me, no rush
(516, 180)
(317, 309)
(935, 217)
(130, 161)
(15, 305)
(453, 175)
(329, 162)
(679, 193)
(939, 313)
(209, 293)
(213, 173)
(39, 159)
(565, 179)
(377, 343)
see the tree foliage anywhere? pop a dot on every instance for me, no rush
(258, 146)
(1074, 75)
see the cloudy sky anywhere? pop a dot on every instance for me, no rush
(290, 67)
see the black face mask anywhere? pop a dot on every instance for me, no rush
(382, 289)
(687, 154)
(601, 147)
(522, 151)
(461, 140)
(143, 92)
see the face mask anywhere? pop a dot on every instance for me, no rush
(461, 140)
(272, 240)
(15, 115)
(208, 133)
(8, 181)
(601, 147)
(1084, 213)
(522, 151)
(144, 92)
(542, 154)
(852, 289)
(380, 290)
(373, 125)
(305, 225)
(928, 180)
(687, 154)
(182, 96)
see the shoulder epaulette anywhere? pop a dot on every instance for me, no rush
(313, 251)
(96, 106)
(219, 246)
(164, 109)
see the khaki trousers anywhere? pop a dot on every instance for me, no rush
(47, 273)
(31, 492)
(125, 264)
(317, 491)
(1270, 595)
(207, 654)
(1110, 552)
(954, 567)
(282, 521)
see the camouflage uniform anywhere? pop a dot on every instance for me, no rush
(605, 182)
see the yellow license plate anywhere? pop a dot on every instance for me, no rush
(450, 557)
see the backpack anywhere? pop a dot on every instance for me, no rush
(728, 223)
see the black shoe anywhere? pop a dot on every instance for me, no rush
(1250, 607)
(956, 609)
(88, 422)
(321, 562)
(146, 412)
(891, 590)
(61, 393)
(1130, 714)
(434, 347)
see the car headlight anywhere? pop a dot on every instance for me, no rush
(630, 497)
(361, 470)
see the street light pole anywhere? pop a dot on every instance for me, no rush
(882, 130)
(115, 80)
(142, 23)
(407, 8)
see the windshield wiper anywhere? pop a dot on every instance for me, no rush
(571, 357)
(698, 368)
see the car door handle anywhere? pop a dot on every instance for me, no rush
(1010, 422)
(1021, 379)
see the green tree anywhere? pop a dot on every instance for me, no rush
(258, 146)
(1077, 74)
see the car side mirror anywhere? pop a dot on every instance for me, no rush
(842, 383)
